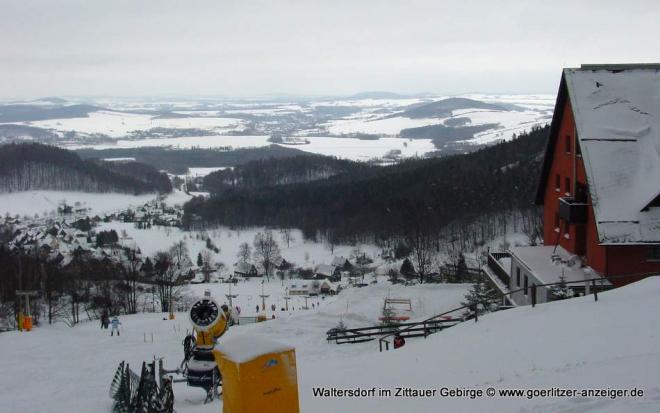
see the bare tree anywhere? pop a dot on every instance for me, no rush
(244, 253)
(266, 251)
(421, 243)
(131, 264)
(287, 236)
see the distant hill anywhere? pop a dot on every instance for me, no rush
(441, 134)
(178, 161)
(34, 166)
(443, 108)
(272, 172)
(29, 113)
(388, 200)
(10, 133)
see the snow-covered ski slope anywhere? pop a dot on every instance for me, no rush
(579, 343)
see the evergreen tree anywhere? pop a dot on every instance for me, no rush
(407, 269)
(200, 261)
(561, 291)
(480, 297)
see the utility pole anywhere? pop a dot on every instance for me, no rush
(263, 297)
(230, 296)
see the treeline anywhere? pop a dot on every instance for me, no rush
(441, 134)
(416, 195)
(29, 113)
(85, 286)
(178, 161)
(35, 166)
(146, 174)
(283, 171)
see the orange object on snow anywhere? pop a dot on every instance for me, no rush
(395, 318)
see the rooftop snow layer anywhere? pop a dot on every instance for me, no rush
(248, 347)
(617, 115)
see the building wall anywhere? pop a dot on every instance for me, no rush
(520, 298)
(607, 260)
(566, 165)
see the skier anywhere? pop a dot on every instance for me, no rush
(399, 341)
(104, 320)
(115, 326)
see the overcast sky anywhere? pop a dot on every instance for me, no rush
(312, 47)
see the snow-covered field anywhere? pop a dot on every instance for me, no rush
(370, 116)
(347, 148)
(205, 142)
(45, 202)
(579, 343)
(376, 125)
(534, 110)
(119, 124)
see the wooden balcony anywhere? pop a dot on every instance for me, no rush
(572, 212)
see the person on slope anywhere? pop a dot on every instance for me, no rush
(399, 341)
(115, 326)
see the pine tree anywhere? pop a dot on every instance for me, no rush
(407, 269)
(200, 261)
(561, 291)
(480, 297)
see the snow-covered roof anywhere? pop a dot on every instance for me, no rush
(328, 284)
(243, 267)
(338, 261)
(325, 269)
(539, 260)
(617, 115)
(248, 347)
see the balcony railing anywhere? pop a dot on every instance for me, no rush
(572, 212)
(496, 267)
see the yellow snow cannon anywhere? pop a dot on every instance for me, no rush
(210, 321)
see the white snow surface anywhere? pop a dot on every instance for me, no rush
(246, 347)
(119, 124)
(577, 343)
(617, 115)
(45, 202)
(347, 148)
(302, 253)
(187, 142)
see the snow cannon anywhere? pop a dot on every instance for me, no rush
(210, 321)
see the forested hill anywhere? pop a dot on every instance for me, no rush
(427, 193)
(283, 171)
(34, 166)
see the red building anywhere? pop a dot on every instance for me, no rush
(600, 183)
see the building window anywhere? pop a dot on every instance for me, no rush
(517, 277)
(568, 144)
(653, 253)
(557, 183)
(526, 284)
(567, 184)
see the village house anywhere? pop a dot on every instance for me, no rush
(245, 269)
(300, 288)
(599, 186)
(328, 271)
(342, 263)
